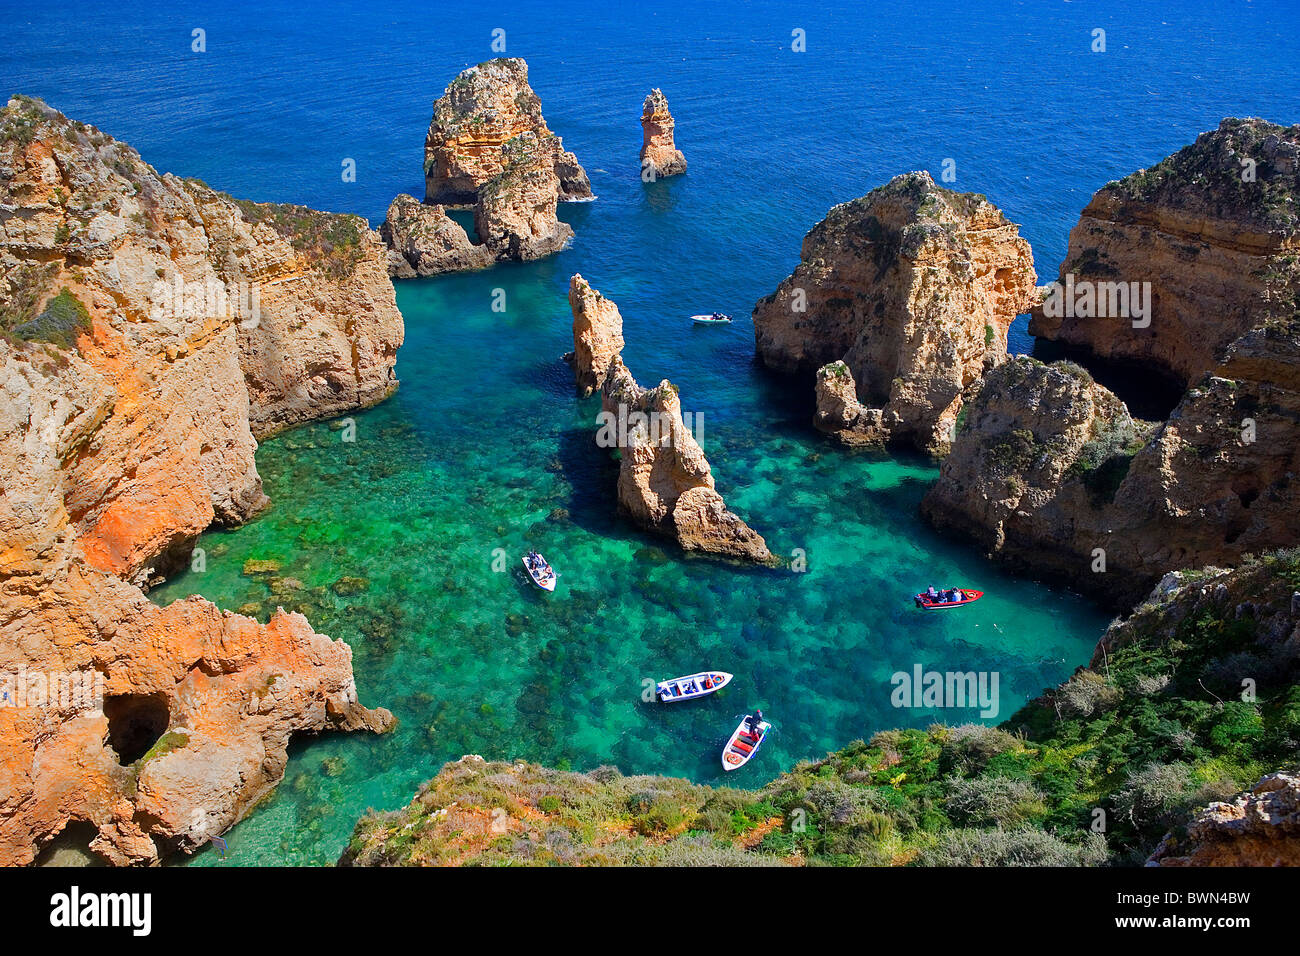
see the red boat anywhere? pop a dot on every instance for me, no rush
(968, 596)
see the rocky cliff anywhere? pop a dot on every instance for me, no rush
(1215, 231)
(151, 328)
(1049, 468)
(424, 241)
(659, 153)
(911, 289)
(665, 483)
(484, 108)
(597, 336)
(1260, 827)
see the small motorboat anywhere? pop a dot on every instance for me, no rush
(743, 745)
(542, 574)
(688, 688)
(967, 596)
(713, 318)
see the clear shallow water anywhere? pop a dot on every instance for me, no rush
(485, 447)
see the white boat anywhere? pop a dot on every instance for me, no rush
(743, 745)
(542, 574)
(714, 318)
(687, 688)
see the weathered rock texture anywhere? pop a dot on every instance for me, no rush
(1260, 827)
(127, 427)
(659, 154)
(488, 147)
(1048, 466)
(515, 216)
(665, 483)
(484, 108)
(1218, 249)
(912, 288)
(424, 241)
(1214, 482)
(597, 335)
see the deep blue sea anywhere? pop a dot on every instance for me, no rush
(484, 446)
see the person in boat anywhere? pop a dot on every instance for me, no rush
(754, 720)
(932, 593)
(953, 596)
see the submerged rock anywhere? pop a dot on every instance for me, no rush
(597, 335)
(659, 154)
(912, 288)
(424, 241)
(484, 108)
(1212, 231)
(127, 431)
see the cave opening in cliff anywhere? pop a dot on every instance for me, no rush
(71, 847)
(135, 723)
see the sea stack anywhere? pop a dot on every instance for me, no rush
(515, 215)
(659, 153)
(482, 109)
(424, 241)
(153, 329)
(597, 336)
(900, 303)
(1169, 265)
(665, 483)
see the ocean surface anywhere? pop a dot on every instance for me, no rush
(393, 542)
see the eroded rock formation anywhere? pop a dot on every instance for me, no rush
(659, 153)
(1214, 229)
(1214, 482)
(665, 483)
(484, 108)
(597, 335)
(515, 215)
(424, 241)
(152, 327)
(912, 288)
(488, 147)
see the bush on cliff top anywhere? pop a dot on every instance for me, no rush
(331, 242)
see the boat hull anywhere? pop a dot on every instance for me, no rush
(741, 747)
(969, 596)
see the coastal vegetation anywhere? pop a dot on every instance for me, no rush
(1190, 700)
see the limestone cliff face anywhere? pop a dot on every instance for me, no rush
(659, 153)
(1048, 467)
(1214, 229)
(424, 241)
(515, 216)
(665, 483)
(912, 288)
(1217, 480)
(597, 335)
(151, 328)
(485, 107)
(1260, 827)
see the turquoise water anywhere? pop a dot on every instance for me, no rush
(484, 447)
